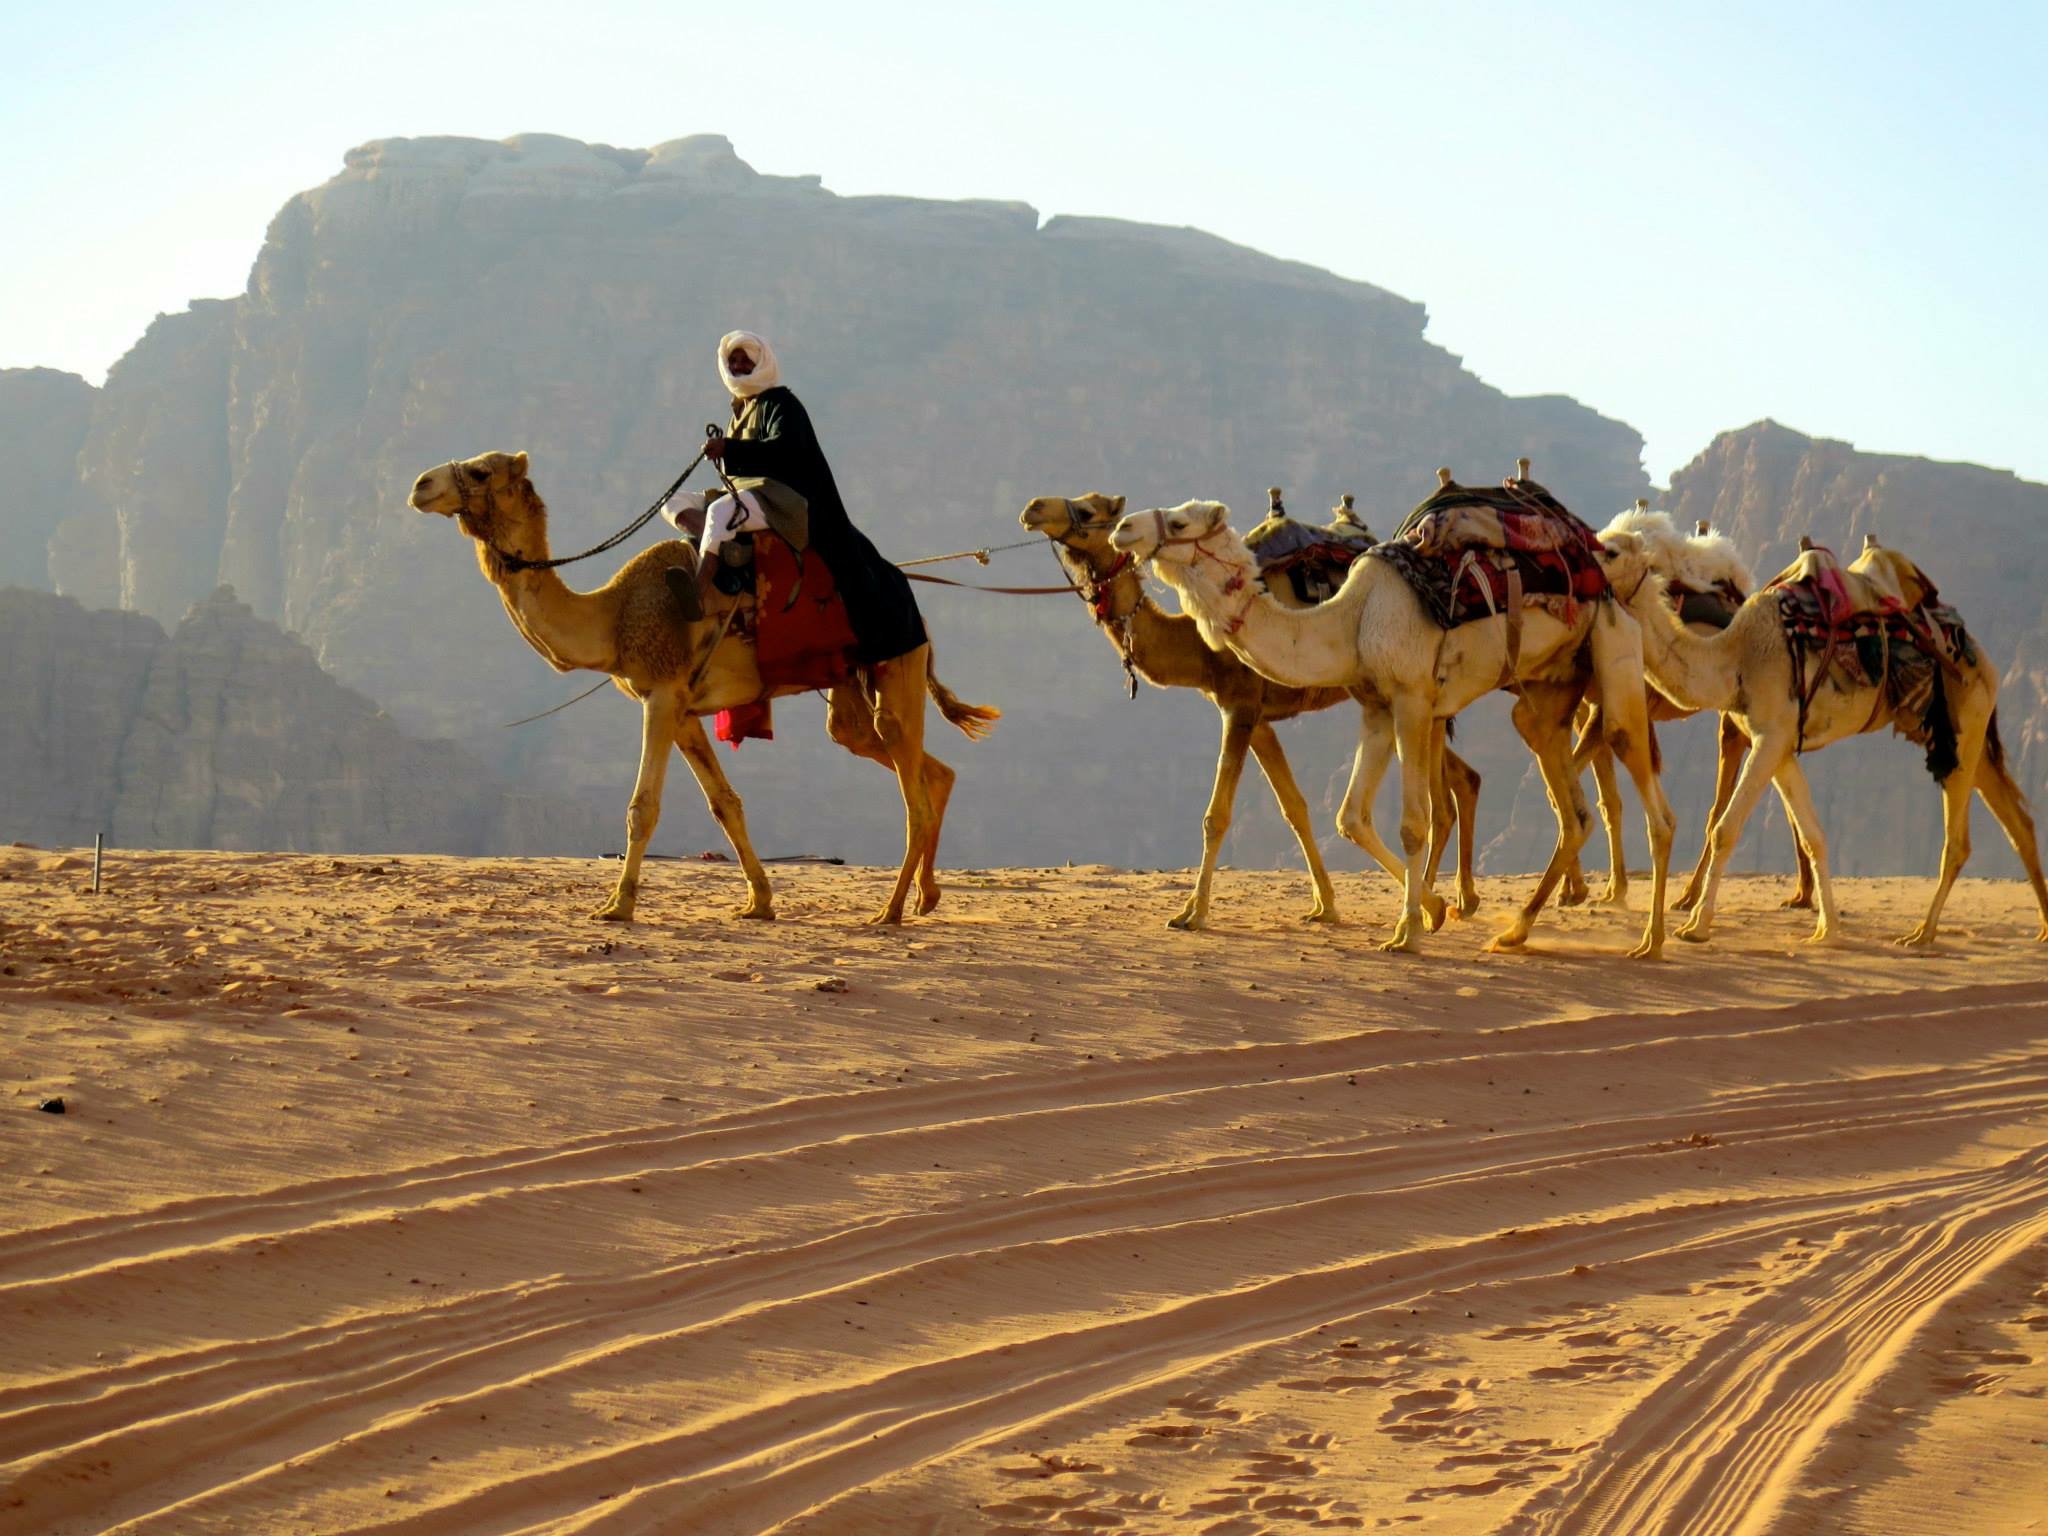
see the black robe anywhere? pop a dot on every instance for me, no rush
(773, 438)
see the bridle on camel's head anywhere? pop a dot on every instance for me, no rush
(1237, 581)
(1098, 591)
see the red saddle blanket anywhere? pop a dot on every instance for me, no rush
(802, 637)
(1457, 548)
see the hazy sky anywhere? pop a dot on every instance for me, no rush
(1686, 215)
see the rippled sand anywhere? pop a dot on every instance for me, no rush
(395, 1195)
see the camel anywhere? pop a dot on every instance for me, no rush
(1376, 638)
(1747, 672)
(1168, 651)
(631, 629)
(1704, 564)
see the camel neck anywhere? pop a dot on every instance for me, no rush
(569, 629)
(1690, 668)
(1303, 648)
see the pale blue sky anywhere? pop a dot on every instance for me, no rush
(1688, 216)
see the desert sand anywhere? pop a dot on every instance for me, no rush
(394, 1195)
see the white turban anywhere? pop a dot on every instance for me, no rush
(766, 374)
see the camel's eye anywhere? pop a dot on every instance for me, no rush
(475, 473)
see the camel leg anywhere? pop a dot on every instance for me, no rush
(899, 723)
(850, 722)
(1955, 837)
(1544, 724)
(1759, 767)
(1463, 781)
(1797, 794)
(1238, 726)
(727, 811)
(2000, 793)
(1631, 741)
(1443, 810)
(1354, 813)
(1414, 733)
(1608, 791)
(643, 812)
(1728, 763)
(938, 788)
(1589, 744)
(1273, 763)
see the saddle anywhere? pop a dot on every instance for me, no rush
(1471, 552)
(1839, 624)
(1314, 560)
(797, 620)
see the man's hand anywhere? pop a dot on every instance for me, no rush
(714, 448)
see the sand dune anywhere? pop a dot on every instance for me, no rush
(394, 1196)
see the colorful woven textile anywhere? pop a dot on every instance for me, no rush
(1457, 548)
(1840, 626)
(1314, 560)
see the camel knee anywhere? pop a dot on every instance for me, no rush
(641, 820)
(1414, 835)
(1214, 826)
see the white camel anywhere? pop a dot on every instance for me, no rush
(1376, 638)
(1747, 672)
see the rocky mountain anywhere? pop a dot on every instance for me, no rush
(443, 296)
(44, 415)
(225, 733)
(440, 297)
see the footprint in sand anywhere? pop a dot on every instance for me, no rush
(1167, 1437)
(1198, 1407)
(1431, 1413)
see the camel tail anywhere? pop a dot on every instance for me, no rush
(973, 720)
(1993, 747)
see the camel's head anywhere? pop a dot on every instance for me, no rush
(1080, 525)
(1654, 533)
(1892, 574)
(1630, 561)
(489, 496)
(1170, 535)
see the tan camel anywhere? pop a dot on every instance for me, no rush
(1168, 651)
(631, 629)
(1376, 638)
(1746, 671)
(1704, 563)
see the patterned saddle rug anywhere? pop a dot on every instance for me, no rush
(1843, 627)
(1473, 551)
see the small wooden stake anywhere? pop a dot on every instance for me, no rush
(1642, 503)
(1702, 528)
(1521, 469)
(1443, 477)
(99, 847)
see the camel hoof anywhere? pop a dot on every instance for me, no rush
(1320, 915)
(1401, 944)
(613, 914)
(1649, 949)
(1694, 933)
(2042, 936)
(760, 913)
(1187, 919)
(1433, 911)
(1920, 938)
(1614, 896)
(1572, 896)
(888, 917)
(928, 902)
(1508, 941)
(1468, 903)
(1684, 903)
(1798, 901)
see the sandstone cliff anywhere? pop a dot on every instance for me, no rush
(443, 296)
(43, 419)
(225, 733)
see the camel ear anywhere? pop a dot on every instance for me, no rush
(519, 464)
(1116, 505)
